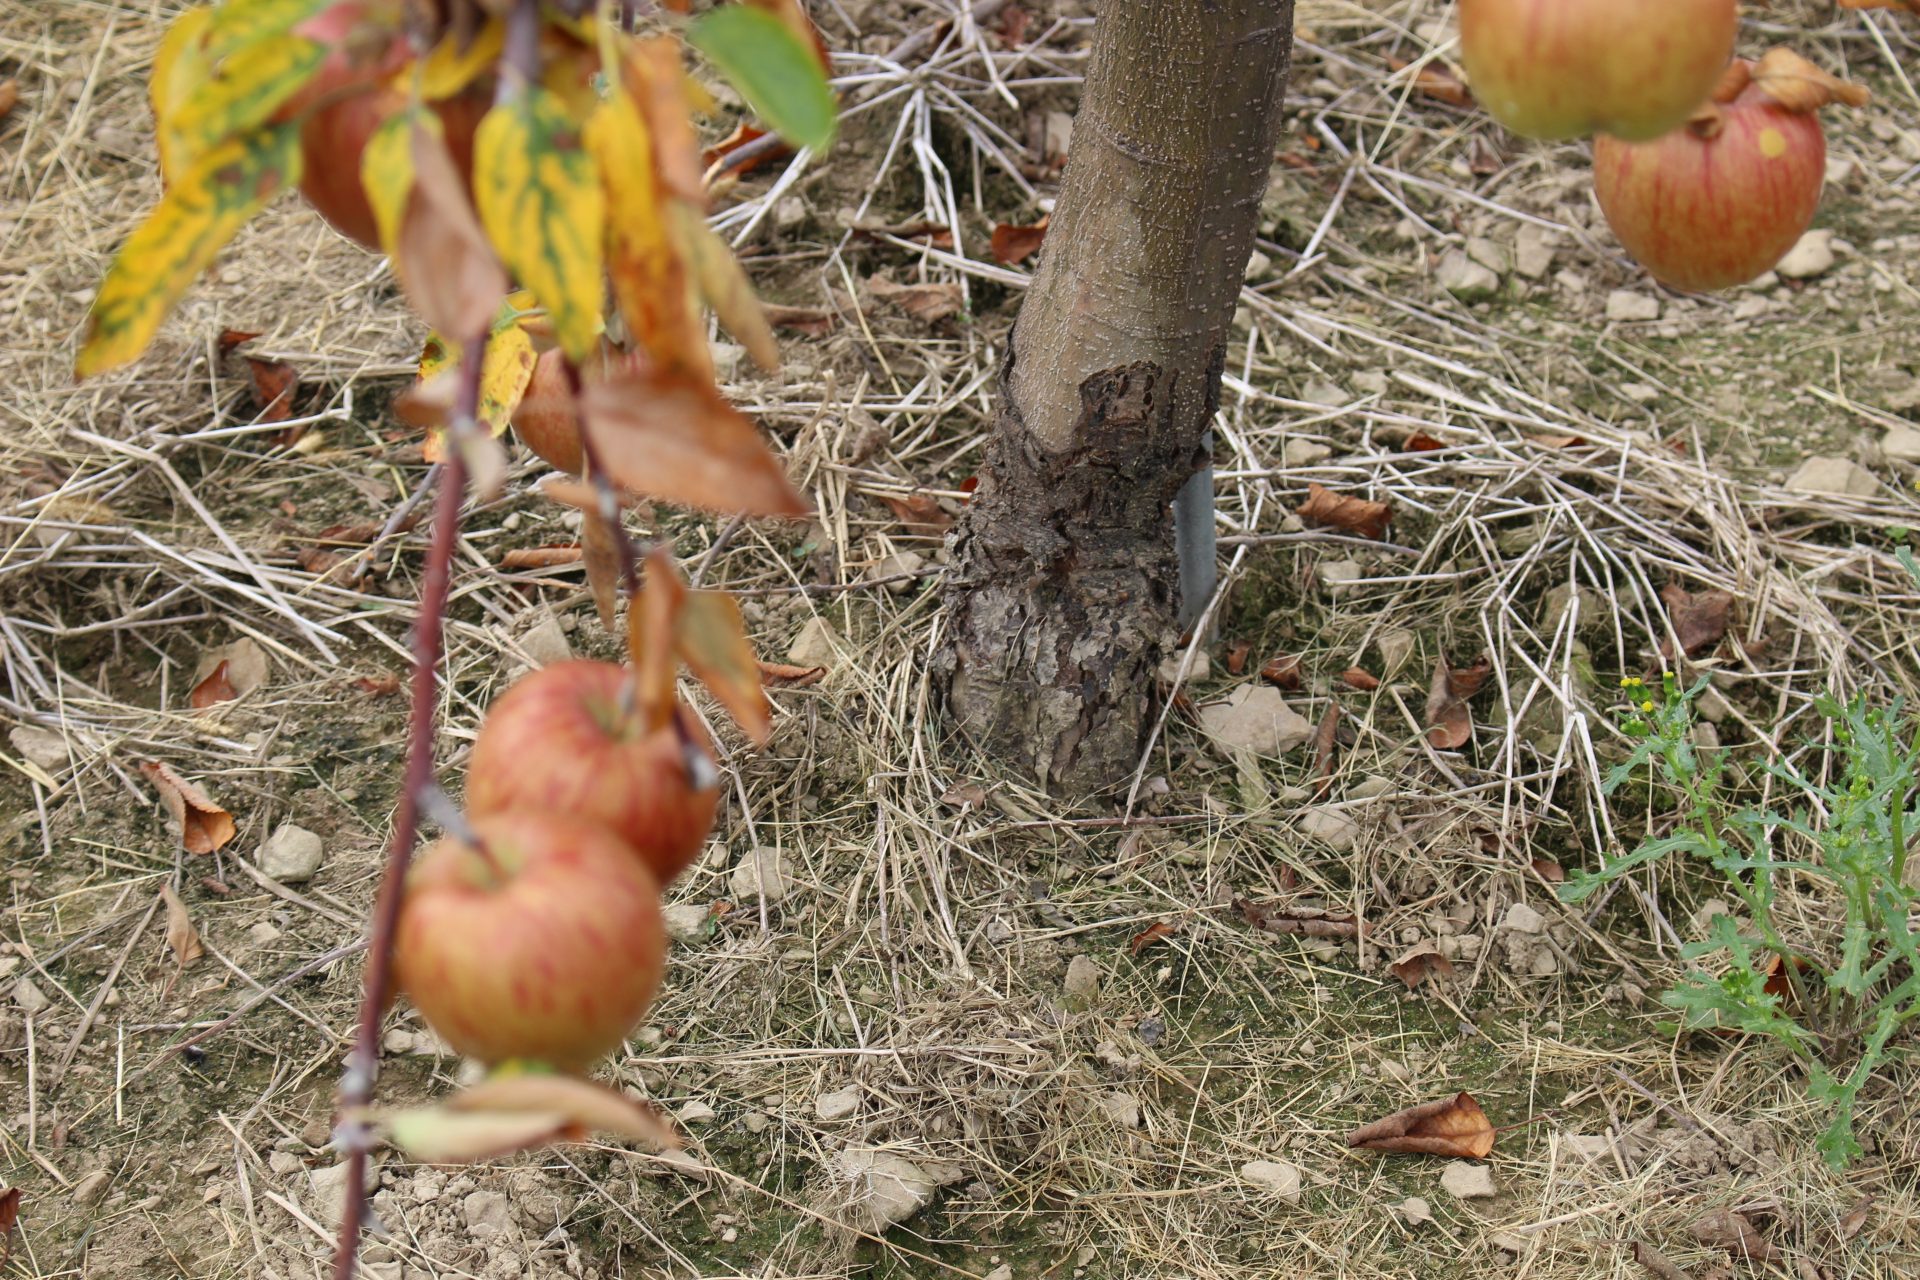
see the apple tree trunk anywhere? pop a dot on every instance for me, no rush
(1065, 590)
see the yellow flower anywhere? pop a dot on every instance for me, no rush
(1647, 705)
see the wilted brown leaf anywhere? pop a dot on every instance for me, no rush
(1911, 6)
(1237, 656)
(925, 302)
(1799, 85)
(523, 558)
(216, 688)
(677, 440)
(201, 825)
(378, 686)
(1311, 922)
(1325, 738)
(788, 674)
(1014, 243)
(964, 794)
(274, 382)
(1453, 1126)
(1359, 516)
(600, 552)
(814, 322)
(1360, 678)
(1438, 82)
(1283, 672)
(712, 639)
(1699, 621)
(182, 937)
(231, 338)
(228, 672)
(1155, 932)
(443, 258)
(1733, 1232)
(1421, 442)
(918, 512)
(1449, 719)
(9, 99)
(1421, 963)
(1855, 1218)
(1548, 870)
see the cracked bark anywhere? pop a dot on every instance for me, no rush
(1063, 599)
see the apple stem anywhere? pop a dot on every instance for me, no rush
(363, 1062)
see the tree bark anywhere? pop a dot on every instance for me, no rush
(1065, 592)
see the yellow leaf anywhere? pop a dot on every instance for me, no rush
(448, 69)
(240, 23)
(180, 67)
(386, 171)
(504, 374)
(244, 90)
(180, 238)
(539, 196)
(649, 276)
(724, 285)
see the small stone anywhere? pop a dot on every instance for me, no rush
(687, 922)
(1394, 646)
(817, 645)
(1524, 919)
(1464, 278)
(1570, 281)
(1415, 1210)
(1765, 282)
(694, 1112)
(1839, 169)
(1465, 1180)
(398, 1040)
(1083, 978)
(44, 747)
(285, 1163)
(291, 854)
(1255, 717)
(1901, 444)
(1325, 393)
(838, 1105)
(1058, 137)
(1122, 1108)
(262, 934)
(1329, 826)
(544, 641)
(756, 1121)
(487, 1214)
(1489, 254)
(1591, 1146)
(1533, 249)
(1340, 577)
(878, 1189)
(1198, 671)
(1628, 307)
(1811, 256)
(789, 212)
(1833, 475)
(29, 997)
(1302, 452)
(897, 566)
(1002, 1272)
(328, 1185)
(91, 1188)
(1276, 1177)
(1258, 265)
(1371, 786)
(761, 872)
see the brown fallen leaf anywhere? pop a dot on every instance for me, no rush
(1360, 678)
(201, 825)
(231, 338)
(523, 558)
(964, 795)
(918, 512)
(1283, 672)
(1856, 1218)
(928, 303)
(1360, 516)
(227, 672)
(182, 937)
(1657, 1263)
(1420, 964)
(1449, 718)
(814, 322)
(274, 383)
(1734, 1232)
(9, 99)
(787, 674)
(378, 686)
(1325, 739)
(937, 235)
(1158, 931)
(1548, 870)
(215, 689)
(1237, 656)
(1421, 442)
(1453, 1126)
(1438, 82)
(1311, 922)
(1014, 243)
(1699, 621)
(742, 134)
(9, 1216)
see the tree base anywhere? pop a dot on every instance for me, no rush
(1065, 583)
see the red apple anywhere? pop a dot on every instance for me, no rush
(1718, 202)
(567, 739)
(1567, 68)
(545, 944)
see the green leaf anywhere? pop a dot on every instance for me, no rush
(179, 239)
(244, 90)
(772, 69)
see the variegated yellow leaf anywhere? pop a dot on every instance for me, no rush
(447, 68)
(246, 88)
(538, 192)
(386, 171)
(724, 285)
(239, 23)
(649, 276)
(180, 238)
(504, 374)
(180, 67)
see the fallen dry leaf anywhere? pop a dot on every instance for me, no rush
(1360, 678)
(9, 1219)
(1283, 672)
(1237, 656)
(378, 686)
(201, 825)
(1360, 516)
(1014, 243)
(788, 674)
(1548, 870)
(924, 302)
(231, 338)
(523, 558)
(274, 382)
(1438, 82)
(1734, 1232)
(1856, 1218)
(1700, 621)
(1421, 442)
(9, 99)
(228, 672)
(1911, 6)
(963, 795)
(1311, 922)
(814, 322)
(1419, 964)
(1158, 931)
(182, 937)
(1325, 738)
(918, 512)
(1449, 719)
(1453, 1126)
(937, 235)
